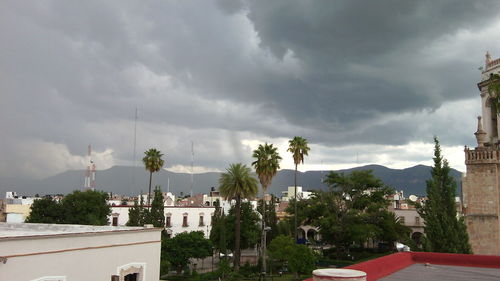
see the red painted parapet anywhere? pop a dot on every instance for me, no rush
(457, 259)
(384, 266)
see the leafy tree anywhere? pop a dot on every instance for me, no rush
(184, 246)
(235, 184)
(266, 166)
(80, 207)
(86, 207)
(45, 210)
(348, 212)
(299, 148)
(391, 229)
(300, 258)
(249, 231)
(153, 163)
(271, 218)
(445, 232)
(218, 231)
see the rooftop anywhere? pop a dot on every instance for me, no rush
(17, 230)
(430, 266)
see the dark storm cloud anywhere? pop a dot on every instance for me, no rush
(219, 72)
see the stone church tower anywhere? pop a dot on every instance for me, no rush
(481, 184)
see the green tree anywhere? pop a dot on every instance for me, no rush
(300, 258)
(184, 246)
(45, 210)
(345, 213)
(236, 184)
(79, 207)
(445, 231)
(135, 214)
(299, 148)
(157, 214)
(271, 218)
(266, 164)
(249, 230)
(153, 163)
(86, 207)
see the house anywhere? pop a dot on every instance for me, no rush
(52, 252)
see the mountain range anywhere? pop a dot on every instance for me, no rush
(131, 180)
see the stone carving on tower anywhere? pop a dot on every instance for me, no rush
(481, 183)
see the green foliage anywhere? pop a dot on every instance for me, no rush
(80, 207)
(250, 230)
(236, 184)
(271, 218)
(494, 91)
(445, 232)
(299, 148)
(266, 164)
(45, 210)
(353, 210)
(179, 249)
(156, 215)
(299, 258)
(153, 163)
(138, 215)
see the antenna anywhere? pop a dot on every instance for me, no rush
(133, 156)
(192, 167)
(168, 184)
(90, 172)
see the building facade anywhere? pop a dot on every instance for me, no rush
(178, 219)
(50, 252)
(481, 183)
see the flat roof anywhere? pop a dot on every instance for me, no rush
(417, 272)
(11, 230)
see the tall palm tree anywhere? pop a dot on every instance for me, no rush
(236, 184)
(153, 163)
(266, 166)
(298, 147)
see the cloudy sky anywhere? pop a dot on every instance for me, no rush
(364, 81)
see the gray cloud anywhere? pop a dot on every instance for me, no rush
(219, 72)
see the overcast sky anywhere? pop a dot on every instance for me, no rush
(364, 81)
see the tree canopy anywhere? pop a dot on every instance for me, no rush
(184, 246)
(153, 163)
(79, 207)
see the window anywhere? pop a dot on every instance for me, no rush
(417, 220)
(402, 219)
(185, 220)
(168, 220)
(201, 221)
(131, 277)
(115, 221)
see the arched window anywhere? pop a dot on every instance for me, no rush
(132, 272)
(168, 220)
(185, 220)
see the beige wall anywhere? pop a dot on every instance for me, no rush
(18, 209)
(80, 257)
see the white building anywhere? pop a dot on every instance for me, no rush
(50, 252)
(290, 193)
(178, 219)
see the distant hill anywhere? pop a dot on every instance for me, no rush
(130, 180)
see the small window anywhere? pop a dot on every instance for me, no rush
(202, 223)
(185, 221)
(115, 221)
(417, 220)
(168, 222)
(402, 219)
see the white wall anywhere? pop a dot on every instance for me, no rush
(80, 257)
(176, 214)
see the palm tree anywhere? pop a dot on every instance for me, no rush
(298, 147)
(236, 184)
(153, 163)
(266, 166)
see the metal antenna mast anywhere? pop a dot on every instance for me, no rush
(192, 167)
(135, 143)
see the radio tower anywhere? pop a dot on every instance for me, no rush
(90, 173)
(192, 168)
